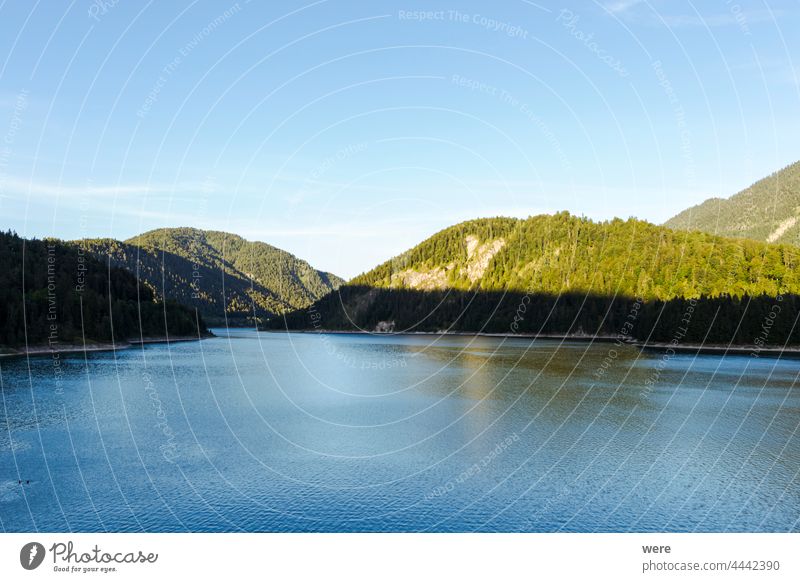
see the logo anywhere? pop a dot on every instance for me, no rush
(31, 555)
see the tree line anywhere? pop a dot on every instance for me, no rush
(725, 319)
(52, 292)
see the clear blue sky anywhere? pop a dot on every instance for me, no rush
(345, 132)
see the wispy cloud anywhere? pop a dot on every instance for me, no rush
(735, 16)
(621, 5)
(21, 187)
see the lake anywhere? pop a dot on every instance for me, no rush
(281, 432)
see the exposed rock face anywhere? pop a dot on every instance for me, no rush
(430, 280)
(384, 327)
(782, 229)
(479, 255)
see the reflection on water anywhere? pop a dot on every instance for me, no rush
(306, 432)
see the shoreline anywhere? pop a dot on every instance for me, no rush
(44, 350)
(722, 350)
(683, 349)
(689, 348)
(557, 337)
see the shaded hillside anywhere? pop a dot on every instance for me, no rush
(51, 292)
(767, 211)
(567, 275)
(224, 276)
(752, 321)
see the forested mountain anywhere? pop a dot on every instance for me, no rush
(563, 253)
(767, 211)
(53, 293)
(564, 274)
(227, 278)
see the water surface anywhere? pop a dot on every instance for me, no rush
(305, 432)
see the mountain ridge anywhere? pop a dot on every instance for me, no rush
(227, 278)
(766, 211)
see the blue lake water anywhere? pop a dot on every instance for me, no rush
(304, 432)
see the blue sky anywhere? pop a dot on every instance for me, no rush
(346, 132)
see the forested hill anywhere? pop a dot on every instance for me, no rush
(570, 275)
(227, 278)
(53, 293)
(564, 253)
(767, 211)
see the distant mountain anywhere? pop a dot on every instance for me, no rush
(227, 278)
(564, 274)
(767, 211)
(51, 293)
